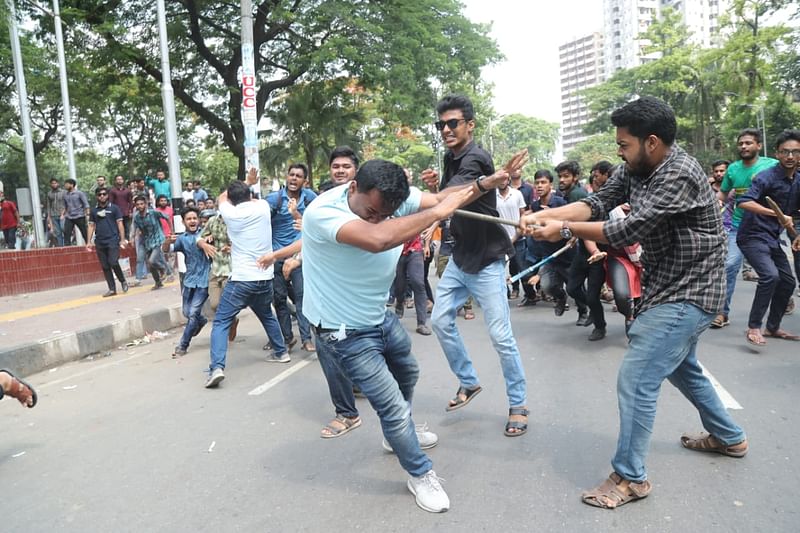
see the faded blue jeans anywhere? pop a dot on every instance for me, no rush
(193, 300)
(663, 345)
(489, 289)
(257, 295)
(379, 361)
(733, 264)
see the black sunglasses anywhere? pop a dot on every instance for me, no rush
(102, 194)
(452, 123)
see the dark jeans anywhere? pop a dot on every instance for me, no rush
(425, 271)
(775, 283)
(70, 224)
(554, 276)
(257, 295)
(340, 387)
(517, 264)
(620, 283)
(108, 255)
(594, 275)
(413, 265)
(10, 235)
(379, 360)
(282, 289)
(193, 300)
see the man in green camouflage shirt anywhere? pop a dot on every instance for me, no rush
(215, 243)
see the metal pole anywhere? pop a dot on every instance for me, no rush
(249, 90)
(763, 129)
(22, 90)
(168, 99)
(62, 71)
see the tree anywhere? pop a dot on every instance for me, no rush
(594, 149)
(398, 46)
(515, 132)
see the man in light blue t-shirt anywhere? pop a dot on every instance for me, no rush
(352, 237)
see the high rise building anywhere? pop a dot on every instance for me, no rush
(701, 18)
(581, 64)
(623, 21)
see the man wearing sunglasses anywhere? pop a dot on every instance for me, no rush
(105, 225)
(477, 267)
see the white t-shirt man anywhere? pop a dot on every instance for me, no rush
(250, 232)
(509, 206)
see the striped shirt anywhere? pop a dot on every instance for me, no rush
(676, 218)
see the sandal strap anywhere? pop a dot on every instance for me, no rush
(519, 411)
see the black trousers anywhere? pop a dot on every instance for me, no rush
(109, 261)
(69, 224)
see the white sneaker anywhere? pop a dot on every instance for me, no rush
(429, 492)
(427, 439)
(214, 379)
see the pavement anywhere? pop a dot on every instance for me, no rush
(133, 442)
(45, 329)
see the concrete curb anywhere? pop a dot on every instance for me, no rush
(33, 357)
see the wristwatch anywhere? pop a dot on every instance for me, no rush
(566, 233)
(481, 188)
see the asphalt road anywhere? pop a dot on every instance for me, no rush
(133, 442)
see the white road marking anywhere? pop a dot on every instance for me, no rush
(725, 397)
(261, 389)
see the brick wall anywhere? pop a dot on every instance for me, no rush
(51, 268)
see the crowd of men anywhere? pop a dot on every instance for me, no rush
(655, 235)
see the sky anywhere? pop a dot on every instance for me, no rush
(528, 33)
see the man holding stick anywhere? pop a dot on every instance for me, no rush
(759, 238)
(676, 217)
(477, 266)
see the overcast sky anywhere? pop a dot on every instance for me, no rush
(529, 33)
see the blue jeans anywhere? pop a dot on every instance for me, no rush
(282, 308)
(58, 230)
(775, 283)
(257, 295)
(339, 385)
(663, 345)
(193, 300)
(489, 289)
(141, 260)
(379, 360)
(733, 264)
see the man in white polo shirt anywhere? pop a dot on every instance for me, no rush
(511, 205)
(250, 233)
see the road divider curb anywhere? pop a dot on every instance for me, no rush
(32, 357)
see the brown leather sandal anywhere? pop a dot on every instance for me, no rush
(703, 442)
(21, 390)
(616, 491)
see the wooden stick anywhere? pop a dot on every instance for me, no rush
(485, 218)
(781, 217)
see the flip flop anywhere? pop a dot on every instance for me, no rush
(752, 339)
(458, 403)
(19, 389)
(780, 334)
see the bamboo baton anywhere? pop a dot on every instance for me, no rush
(781, 218)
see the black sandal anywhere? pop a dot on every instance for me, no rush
(520, 427)
(457, 402)
(19, 390)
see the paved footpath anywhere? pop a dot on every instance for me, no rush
(133, 442)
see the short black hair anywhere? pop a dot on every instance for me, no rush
(603, 167)
(139, 197)
(70, 181)
(573, 167)
(326, 186)
(755, 133)
(787, 135)
(388, 178)
(456, 101)
(543, 173)
(301, 166)
(719, 162)
(53, 179)
(186, 210)
(238, 192)
(343, 151)
(647, 116)
(160, 196)
(100, 190)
